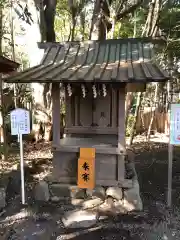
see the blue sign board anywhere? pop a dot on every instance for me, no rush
(175, 124)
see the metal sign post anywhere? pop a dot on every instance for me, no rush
(170, 161)
(20, 124)
(174, 139)
(22, 169)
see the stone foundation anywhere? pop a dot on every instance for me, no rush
(123, 199)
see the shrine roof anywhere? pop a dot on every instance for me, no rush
(117, 60)
(7, 65)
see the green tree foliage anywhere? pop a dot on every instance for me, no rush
(170, 25)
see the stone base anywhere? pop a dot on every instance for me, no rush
(123, 200)
(115, 199)
(118, 201)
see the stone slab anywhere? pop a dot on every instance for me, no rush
(41, 192)
(114, 192)
(97, 192)
(77, 202)
(66, 191)
(132, 199)
(92, 203)
(2, 198)
(79, 219)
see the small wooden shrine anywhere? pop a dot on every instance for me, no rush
(95, 76)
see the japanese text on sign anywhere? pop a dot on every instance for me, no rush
(85, 175)
(86, 168)
(20, 122)
(175, 124)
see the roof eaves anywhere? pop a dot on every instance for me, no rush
(8, 64)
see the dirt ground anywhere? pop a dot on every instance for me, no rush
(156, 222)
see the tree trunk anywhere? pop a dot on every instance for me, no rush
(74, 14)
(93, 20)
(135, 25)
(113, 24)
(133, 129)
(82, 19)
(42, 24)
(150, 27)
(129, 96)
(100, 26)
(151, 22)
(95, 27)
(128, 102)
(49, 15)
(153, 113)
(13, 48)
(69, 37)
(155, 17)
(147, 26)
(73, 29)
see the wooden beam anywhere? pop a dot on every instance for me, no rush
(136, 87)
(91, 130)
(121, 118)
(56, 112)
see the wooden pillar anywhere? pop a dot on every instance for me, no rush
(3, 134)
(114, 109)
(68, 117)
(56, 113)
(121, 118)
(76, 111)
(121, 134)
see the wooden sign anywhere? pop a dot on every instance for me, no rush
(86, 168)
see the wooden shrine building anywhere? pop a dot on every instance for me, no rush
(95, 76)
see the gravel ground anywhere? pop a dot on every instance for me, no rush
(156, 222)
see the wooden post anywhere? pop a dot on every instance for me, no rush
(121, 134)
(76, 111)
(170, 163)
(121, 118)
(56, 113)
(3, 130)
(114, 108)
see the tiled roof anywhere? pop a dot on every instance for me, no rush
(6, 65)
(118, 60)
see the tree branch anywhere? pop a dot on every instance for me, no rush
(130, 9)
